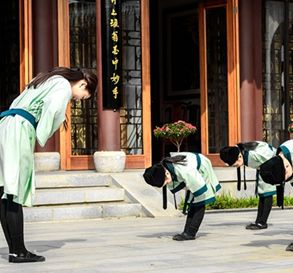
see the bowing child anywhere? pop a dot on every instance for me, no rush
(253, 154)
(190, 171)
(278, 170)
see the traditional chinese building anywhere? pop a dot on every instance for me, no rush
(223, 65)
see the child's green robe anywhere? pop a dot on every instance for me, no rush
(198, 176)
(254, 159)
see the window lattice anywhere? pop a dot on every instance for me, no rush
(84, 139)
(131, 112)
(278, 70)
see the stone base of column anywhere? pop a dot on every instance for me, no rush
(47, 161)
(109, 161)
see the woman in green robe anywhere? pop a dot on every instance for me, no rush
(33, 116)
(192, 172)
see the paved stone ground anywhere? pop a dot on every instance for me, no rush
(145, 245)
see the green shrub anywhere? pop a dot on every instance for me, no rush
(226, 201)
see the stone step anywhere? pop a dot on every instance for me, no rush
(73, 195)
(78, 195)
(62, 179)
(81, 211)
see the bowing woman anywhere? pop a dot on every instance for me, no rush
(33, 116)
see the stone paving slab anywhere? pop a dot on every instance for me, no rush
(138, 245)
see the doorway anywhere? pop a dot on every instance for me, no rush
(175, 73)
(193, 77)
(9, 47)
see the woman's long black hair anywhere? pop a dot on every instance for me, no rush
(72, 75)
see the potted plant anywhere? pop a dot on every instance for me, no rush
(175, 132)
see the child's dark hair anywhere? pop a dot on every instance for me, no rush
(247, 146)
(71, 74)
(179, 159)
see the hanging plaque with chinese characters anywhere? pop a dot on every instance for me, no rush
(112, 53)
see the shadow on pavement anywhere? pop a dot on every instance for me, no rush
(40, 246)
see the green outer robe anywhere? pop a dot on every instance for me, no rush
(47, 103)
(202, 183)
(254, 159)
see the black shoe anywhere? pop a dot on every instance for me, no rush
(257, 226)
(183, 237)
(27, 257)
(289, 247)
(251, 226)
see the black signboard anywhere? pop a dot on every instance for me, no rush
(112, 53)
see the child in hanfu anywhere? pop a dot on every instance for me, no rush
(192, 172)
(278, 170)
(253, 154)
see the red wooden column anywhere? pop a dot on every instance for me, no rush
(250, 69)
(108, 130)
(45, 48)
